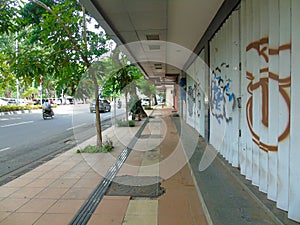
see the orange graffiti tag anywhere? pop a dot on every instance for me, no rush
(262, 48)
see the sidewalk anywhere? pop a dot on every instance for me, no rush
(177, 193)
(54, 192)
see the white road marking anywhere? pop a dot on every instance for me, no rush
(10, 118)
(16, 124)
(80, 125)
(4, 149)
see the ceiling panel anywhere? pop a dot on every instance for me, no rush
(175, 21)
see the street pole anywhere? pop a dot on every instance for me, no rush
(18, 94)
(41, 88)
(17, 80)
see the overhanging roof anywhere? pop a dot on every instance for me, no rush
(149, 28)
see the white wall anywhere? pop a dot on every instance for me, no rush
(195, 96)
(268, 149)
(225, 89)
(255, 58)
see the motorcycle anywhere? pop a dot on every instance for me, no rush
(119, 104)
(48, 113)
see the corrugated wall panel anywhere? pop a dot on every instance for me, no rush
(284, 73)
(203, 84)
(235, 44)
(294, 191)
(264, 73)
(248, 106)
(273, 97)
(226, 51)
(200, 94)
(268, 151)
(225, 86)
(244, 94)
(190, 103)
(256, 95)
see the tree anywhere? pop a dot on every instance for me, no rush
(69, 47)
(125, 80)
(146, 89)
(9, 16)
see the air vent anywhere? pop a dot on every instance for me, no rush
(152, 36)
(158, 66)
(154, 47)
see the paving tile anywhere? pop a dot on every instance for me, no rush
(21, 218)
(92, 174)
(52, 174)
(54, 219)
(26, 192)
(78, 193)
(63, 183)
(130, 170)
(185, 203)
(3, 215)
(111, 211)
(7, 191)
(44, 168)
(105, 219)
(12, 204)
(37, 205)
(142, 207)
(66, 206)
(116, 205)
(52, 193)
(87, 183)
(32, 174)
(40, 182)
(81, 167)
(19, 182)
(62, 168)
(144, 220)
(73, 174)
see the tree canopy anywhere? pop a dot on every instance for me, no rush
(55, 39)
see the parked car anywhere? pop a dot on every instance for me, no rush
(104, 106)
(12, 102)
(145, 102)
(38, 101)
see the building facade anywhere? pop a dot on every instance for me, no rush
(242, 94)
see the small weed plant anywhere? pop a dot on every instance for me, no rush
(123, 123)
(107, 146)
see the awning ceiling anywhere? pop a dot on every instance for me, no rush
(156, 31)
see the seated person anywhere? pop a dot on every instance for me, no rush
(47, 106)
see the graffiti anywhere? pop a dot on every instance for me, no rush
(223, 99)
(191, 99)
(194, 99)
(262, 49)
(198, 103)
(182, 85)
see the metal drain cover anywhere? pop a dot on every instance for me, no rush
(140, 186)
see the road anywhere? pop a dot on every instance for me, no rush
(27, 140)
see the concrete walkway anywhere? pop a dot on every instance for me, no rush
(167, 148)
(55, 191)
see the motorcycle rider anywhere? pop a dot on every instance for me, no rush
(47, 107)
(119, 103)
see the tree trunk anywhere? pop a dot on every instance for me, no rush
(98, 120)
(126, 104)
(115, 109)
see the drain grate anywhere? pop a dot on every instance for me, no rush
(85, 212)
(140, 186)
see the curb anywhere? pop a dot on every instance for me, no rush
(15, 112)
(204, 207)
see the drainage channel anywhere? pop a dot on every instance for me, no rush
(85, 212)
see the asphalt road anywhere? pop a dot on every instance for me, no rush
(27, 140)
